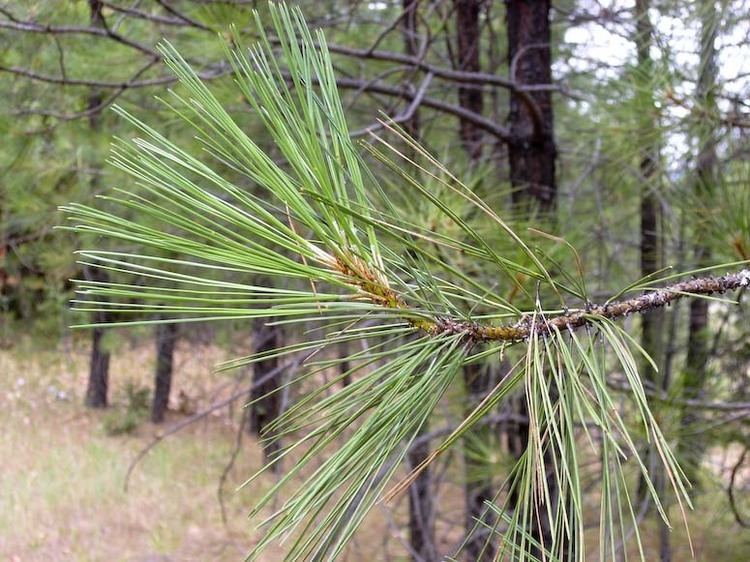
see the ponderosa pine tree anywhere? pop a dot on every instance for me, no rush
(98, 384)
(265, 398)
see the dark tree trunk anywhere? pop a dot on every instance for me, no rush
(531, 149)
(532, 157)
(421, 502)
(696, 363)
(478, 381)
(468, 35)
(98, 385)
(166, 338)
(266, 397)
(409, 32)
(421, 507)
(650, 239)
(345, 365)
(651, 250)
(477, 378)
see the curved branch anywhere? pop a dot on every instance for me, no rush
(461, 76)
(405, 115)
(184, 18)
(154, 18)
(30, 26)
(481, 122)
(730, 491)
(132, 83)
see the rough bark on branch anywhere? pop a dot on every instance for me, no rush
(656, 298)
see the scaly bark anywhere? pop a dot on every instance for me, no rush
(531, 148)
(467, 42)
(166, 338)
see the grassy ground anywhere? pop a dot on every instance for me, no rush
(61, 478)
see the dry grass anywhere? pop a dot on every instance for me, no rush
(62, 476)
(61, 481)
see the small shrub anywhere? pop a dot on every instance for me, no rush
(119, 422)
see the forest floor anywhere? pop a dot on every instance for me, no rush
(62, 474)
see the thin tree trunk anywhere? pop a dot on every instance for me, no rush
(166, 338)
(648, 131)
(344, 366)
(266, 398)
(409, 32)
(98, 383)
(468, 45)
(651, 247)
(691, 449)
(421, 503)
(531, 150)
(532, 157)
(478, 487)
(421, 506)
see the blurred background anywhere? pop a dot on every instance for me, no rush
(619, 125)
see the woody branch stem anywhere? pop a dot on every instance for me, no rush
(655, 298)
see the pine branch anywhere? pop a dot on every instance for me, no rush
(653, 299)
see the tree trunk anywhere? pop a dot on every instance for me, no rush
(477, 378)
(421, 506)
(166, 337)
(266, 397)
(479, 488)
(532, 156)
(421, 503)
(650, 243)
(691, 450)
(344, 365)
(650, 239)
(468, 35)
(531, 149)
(98, 384)
(409, 32)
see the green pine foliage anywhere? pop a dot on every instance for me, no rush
(378, 243)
